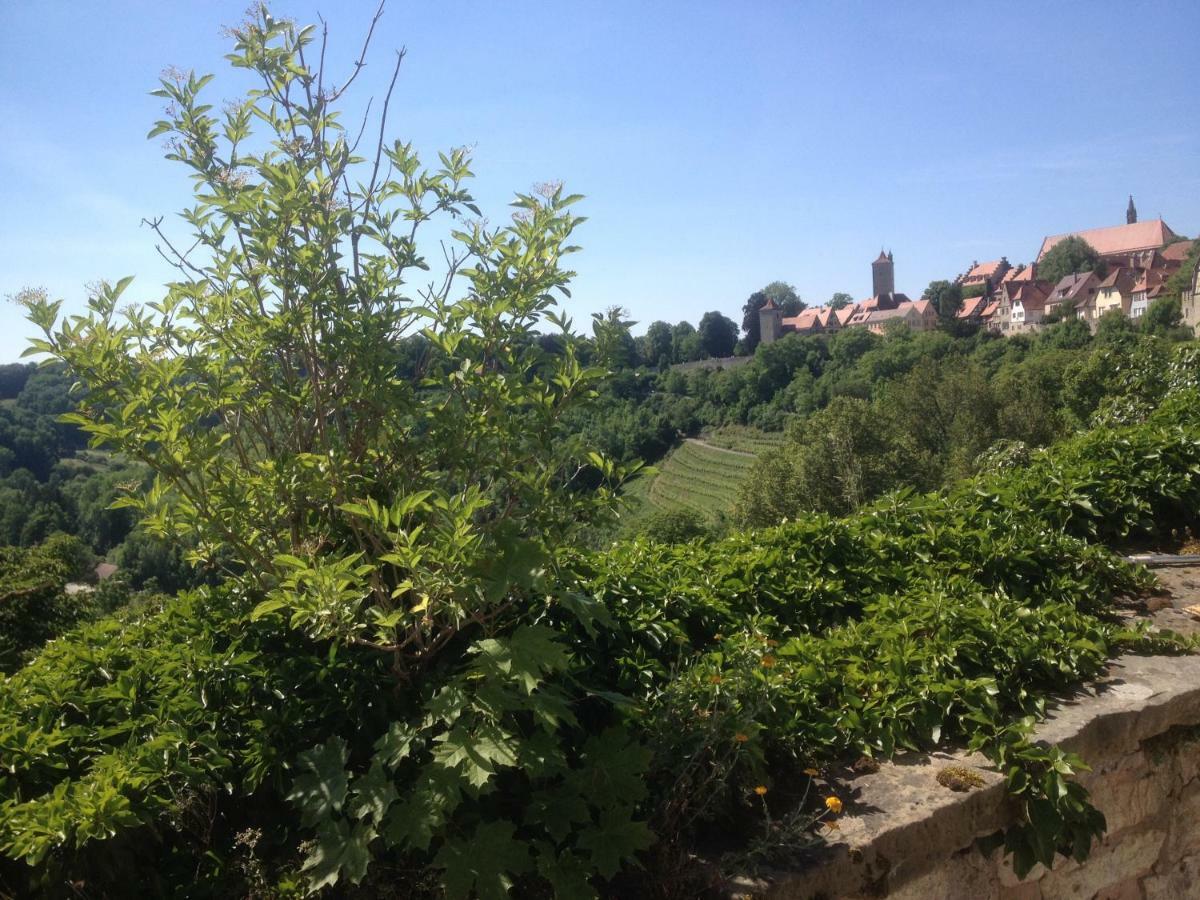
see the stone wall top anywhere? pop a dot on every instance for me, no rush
(905, 835)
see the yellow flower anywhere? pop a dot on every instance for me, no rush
(833, 804)
(768, 661)
(741, 738)
(761, 790)
(811, 773)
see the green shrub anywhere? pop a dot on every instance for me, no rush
(34, 604)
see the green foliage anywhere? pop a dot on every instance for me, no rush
(34, 604)
(415, 516)
(674, 526)
(1181, 281)
(613, 345)
(700, 478)
(784, 296)
(116, 738)
(656, 345)
(1070, 255)
(946, 297)
(718, 334)
(923, 621)
(1163, 316)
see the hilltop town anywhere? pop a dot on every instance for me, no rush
(1134, 263)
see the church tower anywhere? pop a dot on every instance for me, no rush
(1130, 212)
(883, 275)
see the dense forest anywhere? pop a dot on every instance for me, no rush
(379, 629)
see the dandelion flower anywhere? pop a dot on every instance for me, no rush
(761, 790)
(833, 804)
(741, 737)
(811, 773)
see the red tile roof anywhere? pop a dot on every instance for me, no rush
(1178, 251)
(980, 271)
(972, 306)
(1150, 235)
(1020, 273)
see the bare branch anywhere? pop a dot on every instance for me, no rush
(361, 62)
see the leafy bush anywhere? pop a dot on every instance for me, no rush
(119, 740)
(34, 604)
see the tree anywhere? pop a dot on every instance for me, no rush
(785, 298)
(615, 347)
(840, 300)
(946, 297)
(1181, 280)
(406, 524)
(657, 345)
(718, 334)
(685, 343)
(1071, 254)
(1163, 316)
(1116, 329)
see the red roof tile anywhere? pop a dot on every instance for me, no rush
(1115, 239)
(1178, 251)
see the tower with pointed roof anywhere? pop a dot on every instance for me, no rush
(883, 275)
(770, 322)
(1130, 212)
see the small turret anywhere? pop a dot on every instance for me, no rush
(770, 322)
(1130, 212)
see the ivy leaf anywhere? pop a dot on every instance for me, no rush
(484, 864)
(339, 851)
(616, 839)
(322, 790)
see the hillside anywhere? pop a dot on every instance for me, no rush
(704, 474)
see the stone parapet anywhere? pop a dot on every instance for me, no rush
(906, 836)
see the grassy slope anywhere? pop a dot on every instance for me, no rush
(703, 476)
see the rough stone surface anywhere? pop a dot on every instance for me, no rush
(904, 836)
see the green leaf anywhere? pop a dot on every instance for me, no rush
(615, 840)
(321, 791)
(339, 851)
(484, 864)
(372, 794)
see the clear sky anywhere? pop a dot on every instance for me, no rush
(720, 145)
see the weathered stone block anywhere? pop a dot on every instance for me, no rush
(1181, 881)
(1118, 859)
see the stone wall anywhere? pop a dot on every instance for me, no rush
(907, 837)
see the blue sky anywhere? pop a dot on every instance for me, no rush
(720, 145)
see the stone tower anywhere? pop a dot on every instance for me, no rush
(883, 275)
(770, 322)
(1130, 212)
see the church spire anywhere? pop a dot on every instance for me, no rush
(1130, 212)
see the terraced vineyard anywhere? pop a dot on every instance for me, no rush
(741, 437)
(700, 477)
